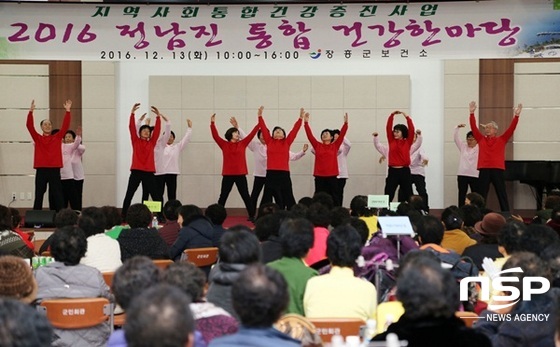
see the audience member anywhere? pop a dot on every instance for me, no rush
(16, 280)
(339, 294)
(554, 221)
(471, 215)
(552, 201)
(16, 224)
(113, 218)
(260, 296)
(196, 231)
(237, 250)
(139, 239)
(454, 238)
(267, 208)
(64, 217)
(359, 208)
(170, 229)
(10, 241)
(103, 252)
(319, 215)
(476, 199)
(340, 214)
(217, 214)
(67, 278)
(211, 320)
(487, 247)
(22, 326)
(160, 316)
(430, 297)
(266, 229)
(296, 236)
(537, 237)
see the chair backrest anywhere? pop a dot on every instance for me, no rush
(469, 318)
(327, 327)
(202, 256)
(163, 263)
(108, 278)
(77, 313)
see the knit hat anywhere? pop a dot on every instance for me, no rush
(491, 224)
(16, 279)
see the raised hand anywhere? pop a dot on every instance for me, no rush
(233, 122)
(189, 123)
(79, 131)
(305, 147)
(374, 134)
(67, 105)
(306, 117)
(260, 111)
(213, 118)
(472, 106)
(418, 132)
(346, 118)
(462, 125)
(382, 159)
(517, 110)
(135, 108)
(301, 113)
(32, 107)
(155, 110)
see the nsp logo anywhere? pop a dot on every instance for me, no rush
(499, 286)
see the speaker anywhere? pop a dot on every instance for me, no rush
(39, 218)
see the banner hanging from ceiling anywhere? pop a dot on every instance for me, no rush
(295, 32)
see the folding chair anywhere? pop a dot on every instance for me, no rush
(328, 327)
(78, 313)
(163, 263)
(201, 257)
(469, 318)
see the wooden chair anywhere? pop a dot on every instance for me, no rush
(163, 263)
(469, 318)
(328, 327)
(78, 313)
(202, 256)
(108, 278)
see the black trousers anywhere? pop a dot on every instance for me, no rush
(340, 190)
(169, 180)
(279, 186)
(240, 182)
(148, 185)
(258, 185)
(401, 178)
(69, 194)
(328, 185)
(463, 184)
(50, 177)
(419, 182)
(496, 177)
(79, 186)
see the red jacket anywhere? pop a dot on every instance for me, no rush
(234, 160)
(492, 150)
(399, 150)
(48, 149)
(143, 150)
(278, 151)
(326, 161)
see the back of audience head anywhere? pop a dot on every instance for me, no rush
(23, 326)
(160, 316)
(268, 225)
(5, 218)
(299, 210)
(92, 221)
(509, 239)
(138, 216)
(260, 296)
(470, 215)
(358, 207)
(112, 216)
(65, 217)
(132, 278)
(306, 200)
(187, 277)
(68, 245)
(171, 210)
(324, 199)
(360, 226)
(417, 203)
(551, 255)
(297, 237)
(344, 246)
(451, 218)
(188, 213)
(239, 247)
(339, 215)
(551, 202)
(267, 208)
(16, 217)
(17, 280)
(531, 264)
(475, 199)
(426, 290)
(537, 237)
(404, 208)
(430, 230)
(216, 213)
(319, 215)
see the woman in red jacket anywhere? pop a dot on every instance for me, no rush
(399, 157)
(278, 182)
(234, 165)
(143, 165)
(325, 169)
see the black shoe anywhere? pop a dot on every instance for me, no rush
(251, 219)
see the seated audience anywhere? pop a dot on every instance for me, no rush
(17, 280)
(160, 316)
(196, 231)
(211, 320)
(554, 221)
(140, 239)
(63, 218)
(470, 215)
(238, 248)
(319, 215)
(266, 229)
(487, 247)
(339, 215)
(514, 333)
(10, 241)
(67, 278)
(552, 201)
(113, 218)
(430, 297)
(477, 200)
(454, 238)
(23, 326)
(260, 296)
(339, 294)
(16, 225)
(170, 229)
(217, 215)
(296, 236)
(358, 208)
(103, 252)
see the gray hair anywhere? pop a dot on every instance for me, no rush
(494, 124)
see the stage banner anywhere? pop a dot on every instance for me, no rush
(294, 32)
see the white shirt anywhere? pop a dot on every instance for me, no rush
(468, 157)
(68, 150)
(167, 162)
(103, 253)
(343, 158)
(77, 165)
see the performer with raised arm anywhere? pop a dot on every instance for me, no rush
(492, 154)
(278, 182)
(342, 165)
(467, 173)
(325, 169)
(47, 158)
(234, 164)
